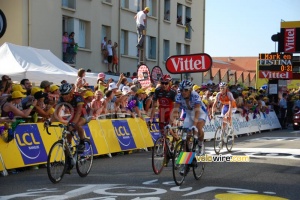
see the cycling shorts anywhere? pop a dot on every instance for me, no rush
(225, 109)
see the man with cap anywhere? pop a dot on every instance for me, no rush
(140, 19)
(46, 86)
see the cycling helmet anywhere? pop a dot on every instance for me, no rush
(65, 88)
(223, 84)
(185, 84)
(166, 77)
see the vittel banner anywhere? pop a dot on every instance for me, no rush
(289, 39)
(191, 63)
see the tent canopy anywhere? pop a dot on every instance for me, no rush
(21, 62)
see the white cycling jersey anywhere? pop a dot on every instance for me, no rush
(189, 108)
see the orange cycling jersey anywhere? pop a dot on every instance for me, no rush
(226, 98)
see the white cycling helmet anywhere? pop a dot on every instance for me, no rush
(185, 84)
(223, 84)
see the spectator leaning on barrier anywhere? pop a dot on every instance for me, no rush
(42, 108)
(97, 104)
(18, 87)
(9, 109)
(148, 101)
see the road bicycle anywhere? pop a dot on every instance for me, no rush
(188, 143)
(223, 135)
(62, 156)
(163, 147)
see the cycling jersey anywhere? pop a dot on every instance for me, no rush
(76, 100)
(189, 108)
(225, 99)
(165, 99)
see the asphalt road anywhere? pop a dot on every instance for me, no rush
(273, 173)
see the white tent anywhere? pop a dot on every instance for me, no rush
(19, 62)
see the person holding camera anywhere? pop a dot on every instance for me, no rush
(43, 107)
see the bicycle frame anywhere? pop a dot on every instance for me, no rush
(188, 144)
(222, 136)
(62, 158)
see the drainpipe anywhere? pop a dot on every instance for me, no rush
(119, 36)
(158, 33)
(204, 33)
(29, 23)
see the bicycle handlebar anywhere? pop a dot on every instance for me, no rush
(48, 124)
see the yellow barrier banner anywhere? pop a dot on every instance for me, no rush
(32, 143)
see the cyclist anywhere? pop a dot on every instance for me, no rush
(226, 98)
(74, 102)
(196, 113)
(165, 96)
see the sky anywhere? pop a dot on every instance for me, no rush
(243, 28)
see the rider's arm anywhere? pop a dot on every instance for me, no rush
(78, 113)
(153, 109)
(214, 107)
(175, 112)
(231, 99)
(197, 114)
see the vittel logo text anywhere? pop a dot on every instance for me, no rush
(188, 63)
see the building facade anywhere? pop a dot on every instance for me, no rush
(174, 27)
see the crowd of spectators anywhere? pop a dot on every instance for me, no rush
(108, 97)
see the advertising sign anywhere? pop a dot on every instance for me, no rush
(275, 75)
(30, 144)
(192, 63)
(144, 76)
(289, 37)
(123, 134)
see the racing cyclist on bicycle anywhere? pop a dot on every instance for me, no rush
(195, 109)
(165, 96)
(74, 102)
(226, 98)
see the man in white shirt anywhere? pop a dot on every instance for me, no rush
(104, 50)
(109, 55)
(140, 18)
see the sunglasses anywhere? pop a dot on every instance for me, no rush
(165, 83)
(185, 90)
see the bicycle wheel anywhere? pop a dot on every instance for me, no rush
(158, 155)
(56, 162)
(178, 168)
(198, 169)
(218, 140)
(230, 139)
(85, 159)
